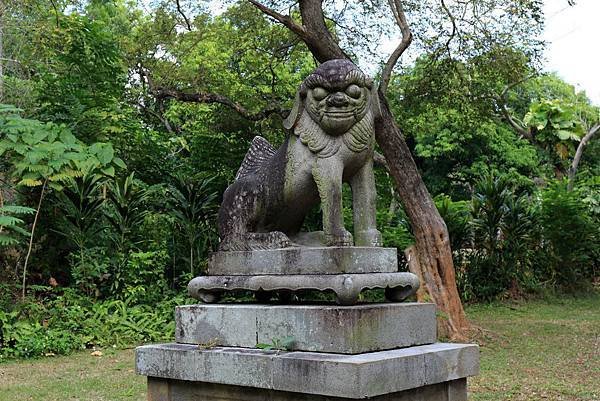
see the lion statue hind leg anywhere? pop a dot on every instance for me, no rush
(244, 204)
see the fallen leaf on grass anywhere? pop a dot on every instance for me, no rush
(96, 353)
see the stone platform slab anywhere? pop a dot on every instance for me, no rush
(346, 376)
(304, 260)
(179, 390)
(347, 287)
(318, 328)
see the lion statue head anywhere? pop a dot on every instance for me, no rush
(336, 100)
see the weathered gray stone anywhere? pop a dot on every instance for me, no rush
(320, 328)
(347, 287)
(178, 390)
(350, 376)
(301, 260)
(330, 140)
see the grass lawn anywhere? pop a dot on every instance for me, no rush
(540, 350)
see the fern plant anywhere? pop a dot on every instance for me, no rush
(11, 227)
(46, 156)
(192, 206)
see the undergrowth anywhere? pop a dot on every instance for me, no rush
(66, 321)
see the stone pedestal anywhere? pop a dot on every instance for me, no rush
(360, 376)
(385, 352)
(320, 328)
(170, 390)
(346, 271)
(375, 351)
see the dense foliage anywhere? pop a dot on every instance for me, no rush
(109, 185)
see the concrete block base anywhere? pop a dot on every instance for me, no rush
(337, 376)
(178, 390)
(318, 328)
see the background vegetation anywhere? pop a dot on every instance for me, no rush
(109, 184)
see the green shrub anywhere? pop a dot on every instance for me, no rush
(90, 270)
(396, 231)
(503, 233)
(68, 321)
(571, 246)
(456, 215)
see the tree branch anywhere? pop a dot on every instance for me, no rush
(454, 27)
(313, 31)
(163, 120)
(514, 84)
(319, 39)
(185, 18)
(516, 125)
(55, 13)
(201, 97)
(286, 20)
(575, 165)
(398, 11)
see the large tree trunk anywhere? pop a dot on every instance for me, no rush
(432, 257)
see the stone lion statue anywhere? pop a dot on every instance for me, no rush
(330, 141)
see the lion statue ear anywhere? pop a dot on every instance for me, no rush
(295, 114)
(375, 105)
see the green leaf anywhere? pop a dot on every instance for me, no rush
(565, 135)
(109, 171)
(28, 182)
(120, 163)
(103, 151)
(67, 137)
(35, 156)
(6, 240)
(7, 221)
(56, 186)
(14, 209)
(20, 230)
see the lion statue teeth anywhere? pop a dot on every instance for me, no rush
(330, 141)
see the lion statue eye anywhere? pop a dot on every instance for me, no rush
(353, 91)
(319, 93)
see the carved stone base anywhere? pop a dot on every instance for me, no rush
(178, 390)
(304, 260)
(347, 287)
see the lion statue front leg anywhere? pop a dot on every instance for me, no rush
(364, 207)
(327, 174)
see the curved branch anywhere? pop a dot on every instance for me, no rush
(454, 27)
(185, 18)
(313, 31)
(202, 97)
(285, 20)
(575, 165)
(320, 42)
(516, 83)
(398, 11)
(516, 125)
(158, 116)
